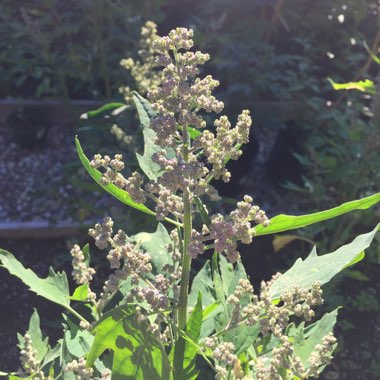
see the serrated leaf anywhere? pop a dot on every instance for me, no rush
(122, 195)
(54, 288)
(137, 354)
(282, 223)
(155, 244)
(321, 268)
(305, 339)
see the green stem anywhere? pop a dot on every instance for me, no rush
(72, 311)
(186, 259)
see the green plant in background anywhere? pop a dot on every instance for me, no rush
(66, 49)
(151, 320)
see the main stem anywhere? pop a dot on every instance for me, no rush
(186, 259)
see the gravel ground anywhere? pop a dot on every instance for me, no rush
(24, 174)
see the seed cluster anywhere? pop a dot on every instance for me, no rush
(82, 273)
(28, 357)
(250, 309)
(143, 70)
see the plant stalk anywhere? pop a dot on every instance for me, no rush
(186, 259)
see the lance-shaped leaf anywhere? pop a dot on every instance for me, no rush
(306, 338)
(122, 195)
(137, 353)
(282, 223)
(54, 287)
(321, 268)
(103, 110)
(156, 245)
(184, 353)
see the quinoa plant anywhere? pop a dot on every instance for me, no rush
(152, 320)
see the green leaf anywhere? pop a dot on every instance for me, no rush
(193, 331)
(54, 288)
(40, 344)
(321, 268)
(144, 109)
(282, 223)
(202, 283)
(362, 85)
(209, 314)
(122, 195)
(193, 132)
(185, 350)
(217, 279)
(242, 337)
(156, 245)
(152, 170)
(305, 339)
(86, 254)
(76, 343)
(80, 293)
(137, 354)
(102, 110)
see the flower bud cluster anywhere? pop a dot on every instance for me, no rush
(280, 359)
(272, 318)
(157, 294)
(28, 356)
(102, 233)
(80, 369)
(226, 231)
(275, 318)
(224, 353)
(82, 273)
(222, 145)
(143, 70)
(321, 355)
(111, 174)
(127, 260)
